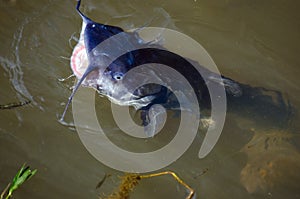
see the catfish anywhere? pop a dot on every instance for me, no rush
(107, 74)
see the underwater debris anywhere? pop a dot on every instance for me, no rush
(14, 105)
(202, 173)
(66, 78)
(102, 181)
(129, 181)
(23, 175)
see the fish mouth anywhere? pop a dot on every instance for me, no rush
(139, 98)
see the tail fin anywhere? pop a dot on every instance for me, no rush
(265, 105)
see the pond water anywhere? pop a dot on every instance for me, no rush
(253, 42)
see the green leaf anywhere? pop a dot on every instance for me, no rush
(23, 175)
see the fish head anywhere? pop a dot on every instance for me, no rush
(125, 84)
(107, 74)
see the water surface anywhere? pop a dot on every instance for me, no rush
(253, 42)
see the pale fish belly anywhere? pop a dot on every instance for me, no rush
(79, 59)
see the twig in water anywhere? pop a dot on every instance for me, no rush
(14, 105)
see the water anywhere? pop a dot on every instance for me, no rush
(254, 42)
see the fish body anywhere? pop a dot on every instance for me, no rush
(108, 74)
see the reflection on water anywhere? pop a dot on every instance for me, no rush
(254, 42)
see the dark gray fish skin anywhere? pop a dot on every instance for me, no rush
(267, 106)
(110, 80)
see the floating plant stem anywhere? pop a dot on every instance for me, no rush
(130, 181)
(191, 191)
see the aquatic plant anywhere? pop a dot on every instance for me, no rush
(23, 175)
(129, 181)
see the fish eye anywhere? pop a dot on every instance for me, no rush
(118, 76)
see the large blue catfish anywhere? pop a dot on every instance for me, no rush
(108, 76)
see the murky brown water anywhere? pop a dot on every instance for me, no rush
(254, 42)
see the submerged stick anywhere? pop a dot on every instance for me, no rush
(14, 105)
